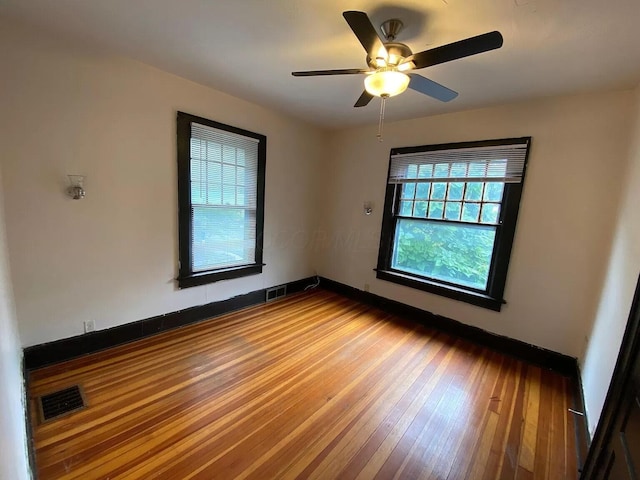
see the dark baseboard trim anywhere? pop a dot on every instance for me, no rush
(31, 451)
(542, 357)
(61, 350)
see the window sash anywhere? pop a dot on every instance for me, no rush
(221, 241)
(396, 264)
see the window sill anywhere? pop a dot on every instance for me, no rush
(461, 294)
(202, 278)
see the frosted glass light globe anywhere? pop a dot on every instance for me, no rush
(386, 82)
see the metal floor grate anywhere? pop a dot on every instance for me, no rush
(276, 292)
(60, 403)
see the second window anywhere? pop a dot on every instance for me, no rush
(450, 217)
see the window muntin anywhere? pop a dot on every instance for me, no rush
(474, 202)
(221, 200)
(444, 217)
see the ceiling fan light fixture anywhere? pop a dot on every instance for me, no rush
(406, 66)
(386, 82)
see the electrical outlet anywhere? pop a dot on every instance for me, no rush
(366, 287)
(89, 326)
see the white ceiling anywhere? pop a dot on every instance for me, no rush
(248, 48)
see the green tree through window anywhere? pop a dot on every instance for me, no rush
(452, 253)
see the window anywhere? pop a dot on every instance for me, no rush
(220, 201)
(450, 216)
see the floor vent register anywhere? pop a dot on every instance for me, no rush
(62, 402)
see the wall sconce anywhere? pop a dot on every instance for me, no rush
(368, 208)
(76, 190)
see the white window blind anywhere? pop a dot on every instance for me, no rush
(502, 163)
(224, 172)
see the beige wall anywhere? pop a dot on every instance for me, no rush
(112, 257)
(617, 294)
(567, 213)
(13, 440)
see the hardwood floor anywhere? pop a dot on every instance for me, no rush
(313, 386)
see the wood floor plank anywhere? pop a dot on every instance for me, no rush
(467, 448)
(202, 386)
(322, 394)
(382, 416)
(312, 386)
(431, 455)
(531, 417)
(408, 424)
(165, 435)
(543, 430)
(504, 398)
(571, 467)
(324, 430)
(557, 430)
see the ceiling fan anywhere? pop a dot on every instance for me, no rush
(391, 64)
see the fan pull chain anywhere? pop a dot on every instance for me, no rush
(384, 100)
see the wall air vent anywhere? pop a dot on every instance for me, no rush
(276, 292)
(62, 402)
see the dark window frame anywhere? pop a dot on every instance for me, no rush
(186, 276)
(492, 297)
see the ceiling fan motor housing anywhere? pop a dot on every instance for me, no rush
(396, 51)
